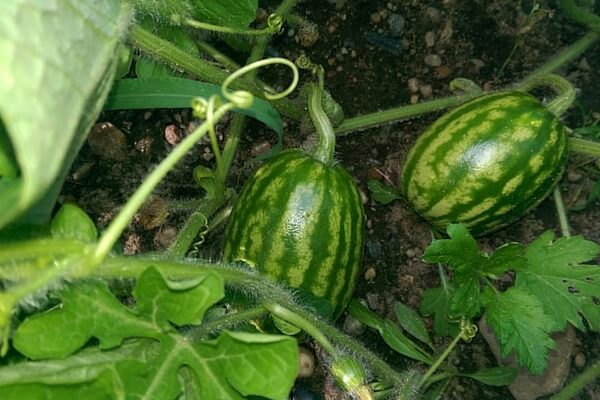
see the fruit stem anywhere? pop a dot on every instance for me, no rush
(564, 89)
(326, 144)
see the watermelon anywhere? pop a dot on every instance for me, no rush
(485, 163)
(299, 220)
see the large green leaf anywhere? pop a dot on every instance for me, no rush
(146, 355)
(234, 14)
(178, 93)
(56, 64)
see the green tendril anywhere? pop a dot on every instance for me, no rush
(274, 26)
(243, 99)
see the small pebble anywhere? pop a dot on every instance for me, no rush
(352, 326)
(580, 360)
(426, 90)
(396, 23)
(574, 176)
(410, 253)
(306, 361)
(433, 14)
(172, 134)
(433, 60)
(370, 274)
(414, 99)
(376, 18)
(413, 85)
(107, 141)
(430, 39)
(308, 35)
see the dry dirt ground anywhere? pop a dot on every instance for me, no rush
(376, 55)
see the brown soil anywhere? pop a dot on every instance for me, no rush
(367, 69)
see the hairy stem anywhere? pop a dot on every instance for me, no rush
(565, 56)
(562, 214)
(584, 146)
(441, 358)
(585, 378)
(394, 114)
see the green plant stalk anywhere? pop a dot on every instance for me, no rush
(394, 114)
(225, 321)
(565, 91)
(36, 248)
(580, 15)
(441, 358)
(565, 56)
(304, 324)
(166, 51)
(233, 139)
(225, 29)
(188, 234)
(583, 146)
(562, 214)
(325, 147)
(217, 55)
(118, 225)
(590, 374)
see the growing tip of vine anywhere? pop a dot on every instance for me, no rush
(275, 24)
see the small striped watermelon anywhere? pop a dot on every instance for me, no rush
(485, 163)
(300, 221)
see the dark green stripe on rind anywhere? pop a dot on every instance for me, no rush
(321, 251)
(486, 163)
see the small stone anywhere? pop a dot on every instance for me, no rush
(153, 213)
(442, 72)
(376, 18)
(370, 274)
(372, 301)
(144, 145)
(574, 176)
(447, 32)
(306, 361)
(414, 99)
(331, 28)
(433, 14)
(107, 141)
(410, 253)
(396, 23)
(147, 115)
(164, 237)
(413, 85)
(352, 326)
(580, 360)
(260, 148)
(433, 60)
(172, 134)
(429, 39)
(426, 90)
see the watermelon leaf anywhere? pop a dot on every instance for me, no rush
(144, 357)
(567, 289)
(520, 324)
